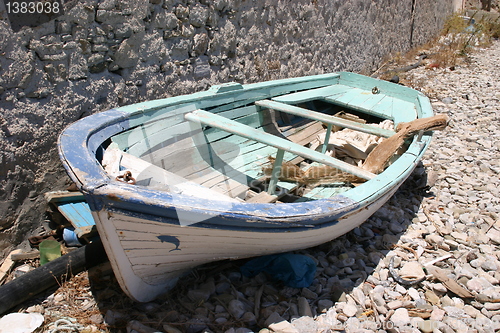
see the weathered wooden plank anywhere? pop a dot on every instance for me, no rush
(246, 154)
(350, 95)
(169, 121)
(75, 209)
(384, 107)
(298, 125)
(133, 238)
(251, 133)
(8, 264)
(312, 94)
(135, 135)
(149, 142)
(276, 171)
(265, 90)
(156, 155)
(324, 146)
(181, 160)
(166, 156)
(252, 171)
(190, 158)
(237, 191)
(25, 255)
(306, 135)
(168, 180)
(249, 164)
(245, 169)
(325, 118)
(323, 192)
(255, 120)
(142, 139)
(245, 145)
(63, 196)
(79, 215)
(373, 100)
(384, 87)
(263, 197)
(403, 112)
(214, 160)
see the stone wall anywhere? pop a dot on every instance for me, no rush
(103, 54)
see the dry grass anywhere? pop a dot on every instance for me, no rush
(451, 48)
(74, 299)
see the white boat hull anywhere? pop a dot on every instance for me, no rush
(146, 267)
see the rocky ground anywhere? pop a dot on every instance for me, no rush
(442, 227)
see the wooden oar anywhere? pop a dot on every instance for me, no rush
(380, 156)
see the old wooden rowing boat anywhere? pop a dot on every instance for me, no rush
(233, 172)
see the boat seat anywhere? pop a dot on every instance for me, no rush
(379, 104)
(115, 162)
(248, 132)
(324, 118)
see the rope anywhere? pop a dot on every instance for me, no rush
(66, 324)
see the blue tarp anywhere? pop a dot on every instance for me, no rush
(295, 270)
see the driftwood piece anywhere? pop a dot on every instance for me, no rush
(25, 255)
(7, 265)
(314, 176)
(450, 284)
(380, 156)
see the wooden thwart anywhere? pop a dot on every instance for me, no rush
(263, 197)
(327, 119)
(248, 132)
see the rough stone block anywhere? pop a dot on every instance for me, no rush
(171, 21)
(126, 55)
(200, 44)
(202, 68)
(198, 16)
(107, 4)
(160, 20)
(63, 27)
(99, 48)
(180, 50)
(81, 14)
(187, 30)
(110, 17)
(77, 66)
(97, 63)
(123, 31)
(182, 12)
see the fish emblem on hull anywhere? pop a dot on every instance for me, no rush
(170, 239)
